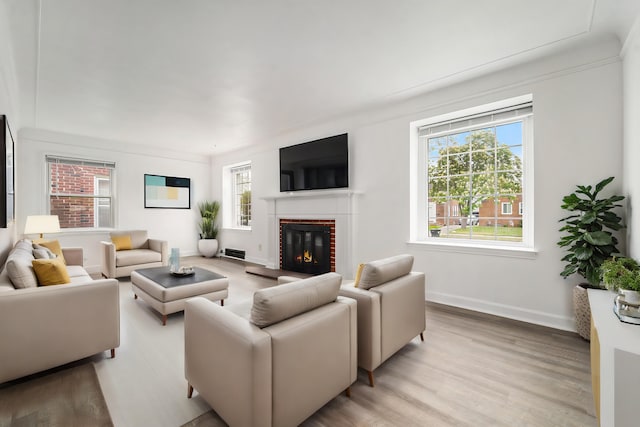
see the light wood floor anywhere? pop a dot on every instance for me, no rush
(472, 370)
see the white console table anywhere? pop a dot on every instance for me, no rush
(615, 363)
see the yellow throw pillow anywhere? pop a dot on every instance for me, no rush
(50, 272)
(54, 246)
(358, 274)
(122, 243)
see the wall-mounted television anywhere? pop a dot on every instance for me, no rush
(319, 164)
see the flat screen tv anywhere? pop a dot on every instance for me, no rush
(319, 164)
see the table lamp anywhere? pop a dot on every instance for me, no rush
(40, 224)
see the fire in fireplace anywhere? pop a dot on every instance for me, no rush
(306, 248)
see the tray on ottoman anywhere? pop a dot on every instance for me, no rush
(167, 293)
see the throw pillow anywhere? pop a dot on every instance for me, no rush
(40, 252)
(272, 305)
(50, 272)
(122, 243)
(54, 246)
(358, 275)
(381, 271)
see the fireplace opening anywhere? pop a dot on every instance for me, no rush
(306, 248)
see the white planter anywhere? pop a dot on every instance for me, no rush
(632, 297)
(208, 247)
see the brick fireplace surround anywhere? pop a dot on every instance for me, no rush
(338, 208)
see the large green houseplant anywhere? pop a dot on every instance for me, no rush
(208, 227)
(589, 240)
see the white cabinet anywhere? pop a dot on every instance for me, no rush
(615, 363)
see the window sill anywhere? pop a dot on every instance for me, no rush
(476, 249)
(237, 228)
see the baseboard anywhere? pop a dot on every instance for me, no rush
(502, 310)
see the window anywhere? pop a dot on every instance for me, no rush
(506, 208)
(237, 195)
(470, 168)
(80, 192)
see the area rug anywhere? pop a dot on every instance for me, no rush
(65, 397)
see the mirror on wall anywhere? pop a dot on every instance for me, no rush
(7, 177)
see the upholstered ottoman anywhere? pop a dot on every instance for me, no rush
(167, 293)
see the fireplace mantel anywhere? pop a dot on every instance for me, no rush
(338, 205)
(313, 194)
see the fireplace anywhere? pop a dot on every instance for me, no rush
(307, 247)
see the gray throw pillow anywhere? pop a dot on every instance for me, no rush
(40, 252)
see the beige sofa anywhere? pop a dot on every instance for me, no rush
(145, 253)
(276, 361)
(44, 327)
(391, 309)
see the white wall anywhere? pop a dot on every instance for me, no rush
(178, 226)
(8, 106)
(578, 140)
(631, 84)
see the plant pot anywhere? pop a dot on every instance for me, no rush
(582, 309)
(435, 232)
(631, 297)
(208, 247)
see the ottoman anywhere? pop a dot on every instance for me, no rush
(167, 293)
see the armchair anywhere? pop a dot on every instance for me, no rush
(391, 304)
(141, 253)
(276, 361)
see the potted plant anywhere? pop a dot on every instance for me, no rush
(589, 241)
(622, 274)
(434, 230)
(208, 243)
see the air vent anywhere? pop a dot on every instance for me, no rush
(234, 253)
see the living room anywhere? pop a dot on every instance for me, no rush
(581, 77)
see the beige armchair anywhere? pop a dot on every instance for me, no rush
(391, 309)
(143, 253)
(276, 361)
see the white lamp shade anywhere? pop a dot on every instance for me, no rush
(39, 224)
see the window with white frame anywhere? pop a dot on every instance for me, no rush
(80, 192)
(237, 195)
(507, 208)
(470, 168)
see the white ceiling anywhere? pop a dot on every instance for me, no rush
(208, 76)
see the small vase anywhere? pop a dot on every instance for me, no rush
(631, 297)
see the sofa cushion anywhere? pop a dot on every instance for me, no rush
(50, 272)
(122, 243)
(278, 303)
(137, 256)
(139, 239)
(54, 246)
(41, 252)
(18, 265)
(383, 270)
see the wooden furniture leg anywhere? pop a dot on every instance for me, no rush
(371, 383)
(135, 296)
(113, 353)
(164, 320)
(222, 302)
(189, 391)
(348, 391)
(422, 336)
